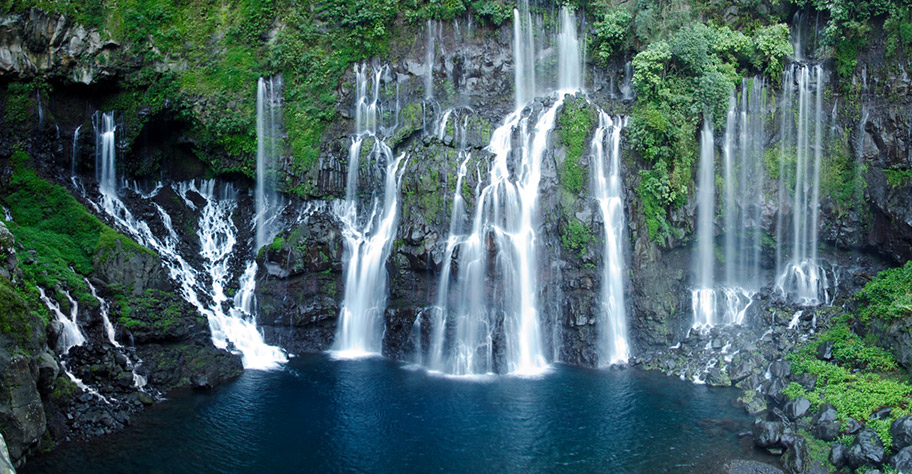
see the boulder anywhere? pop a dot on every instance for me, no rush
(797, 408)
(742, 466)
(901, 432)
(838, 454)
(781, 368)
(902, 461)
(866, 450)
(825, 351)
(767, 434)
(824, 425)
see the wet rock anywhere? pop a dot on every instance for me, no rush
(741, 370)
(901, 432)
(838, 454)
(797, 455)
(825, 426)
(767, 434)
(902, 460)
(866, 450)
(825, 351)
(797, 408)
(750, 467)
(851, 427)
(781, 368)
(881, 414)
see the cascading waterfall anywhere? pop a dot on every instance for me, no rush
(742, 203)
(570, 69)
(269, 151)
(523, 55)
(70, 336)
(606, 183)
(471, 309)
(105, 155)
(704, 298)
(801, 278)
(139, 381)
(216, 232)
(368, 235)
(429, 59)
(75, 152)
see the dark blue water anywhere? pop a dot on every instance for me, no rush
(376, 415)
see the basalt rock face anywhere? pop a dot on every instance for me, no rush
(300, 281)
(299, 284)
(37, 43)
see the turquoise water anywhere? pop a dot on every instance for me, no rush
(377, 415)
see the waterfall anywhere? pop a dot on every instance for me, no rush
(742, 203)
(269, 151)
(40, 109)
(523, 55)
(216, 231)
(70, 335)
(703, 298)
(103, 309)
(627, 85)
(801, 278)
(75, 152)
(429, 60)
(569, 53)
(607, 188)
(105, 155)
(368, 234)
(489, 281)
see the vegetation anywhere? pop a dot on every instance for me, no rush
(576, 236)
(849, 28)
(576, 121)
(678, 81)
(887, 297)
(63, 235)
(860, 380)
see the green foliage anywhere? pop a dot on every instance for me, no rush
(576, 121)
(494, 11)
(849, 28)
(576, 236)
(842, 180)
(897, 178)
(860, 380)
(64, 236)
(888, 296)
(773, 50)
(611, 35)
(678, 81)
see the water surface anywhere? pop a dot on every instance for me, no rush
(377, 415)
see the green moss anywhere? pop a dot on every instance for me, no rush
(888, 296)
(277, 244)
(63, 235)
(898, 178)
(18, 320)
(576, 121)
(64, 389)
(576, 236)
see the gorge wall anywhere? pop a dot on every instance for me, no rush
(444, 82)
